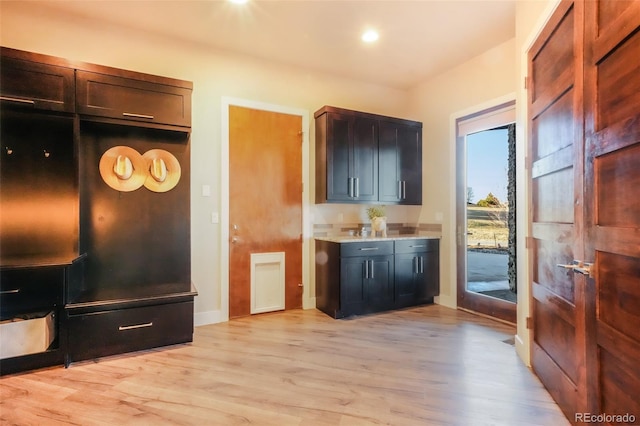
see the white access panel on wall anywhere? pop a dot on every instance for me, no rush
(267, 282)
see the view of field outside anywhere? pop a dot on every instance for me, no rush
(487, 189)
(487, 214)
(487, 227)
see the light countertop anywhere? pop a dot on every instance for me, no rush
(355, 239)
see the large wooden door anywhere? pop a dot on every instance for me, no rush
(265, 200)
(612, 200)
(584, 120)
(557, 205)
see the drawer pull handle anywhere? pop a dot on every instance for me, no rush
(369, 248)
(18, 100)
(132, 327)
(130, 114)
(14, 291)
(418, 246)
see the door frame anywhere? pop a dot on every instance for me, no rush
(308, 300)
(492, 115)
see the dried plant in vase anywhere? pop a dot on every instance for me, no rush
(378, 220)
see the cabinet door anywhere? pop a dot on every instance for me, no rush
(365, 159)
(410, 161)
(400, 163)
(339, 157)
(379, 283)
(366, 284)
(430, 270)
(408, 279)
(390, 184)
(134, 100)
(353, 290)
(36, 86)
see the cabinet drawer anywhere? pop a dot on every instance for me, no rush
(134, 100)
(125, 330)
(37, 86)
(416, 246)
(30, 290)
(371, 248)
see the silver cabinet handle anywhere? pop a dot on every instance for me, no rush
(14, 291)
(421, 264)
(17, 100)
(399, 189)
(132, 327)
(131, 114)
(415, 265)
(371, 269)
(418, 246)
(404, 189)
(357, 187)
(366, 269)
(350, 189)
(368, 248)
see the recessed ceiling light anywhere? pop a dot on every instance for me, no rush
(370, 36)
(239, 1)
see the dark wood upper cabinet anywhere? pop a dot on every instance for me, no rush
(400, 146)
(114, 97)
(367, 158)
(352, 157)
(37, 86)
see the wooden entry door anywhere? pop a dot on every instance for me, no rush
(265, 200)
(584, 123)
(557, 205)
(612, 201)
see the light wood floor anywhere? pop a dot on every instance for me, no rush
(424, 366)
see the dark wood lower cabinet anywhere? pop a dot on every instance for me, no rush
(132, 288)
(355, 278)
(32, 291)
(366, 284)
(106, 332)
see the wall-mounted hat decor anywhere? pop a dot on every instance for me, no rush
(123, 168)
(163, 170)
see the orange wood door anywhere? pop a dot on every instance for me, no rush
(556, 156)
(612, 198)
(265, 200)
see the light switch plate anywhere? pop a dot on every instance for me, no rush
(206, 190)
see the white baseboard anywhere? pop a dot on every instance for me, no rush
(215, 317)
(448, 301)
(208, 317)
(309, 303)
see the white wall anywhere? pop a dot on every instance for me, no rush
(215, 74)
(457, 92)
(489, 79)
(494, 75)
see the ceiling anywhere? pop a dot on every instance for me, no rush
(418, 39)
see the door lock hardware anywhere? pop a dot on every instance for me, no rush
(584, 268)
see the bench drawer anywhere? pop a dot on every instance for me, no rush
(118, 331)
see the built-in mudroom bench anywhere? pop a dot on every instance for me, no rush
(356, 276)
(95, 221)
